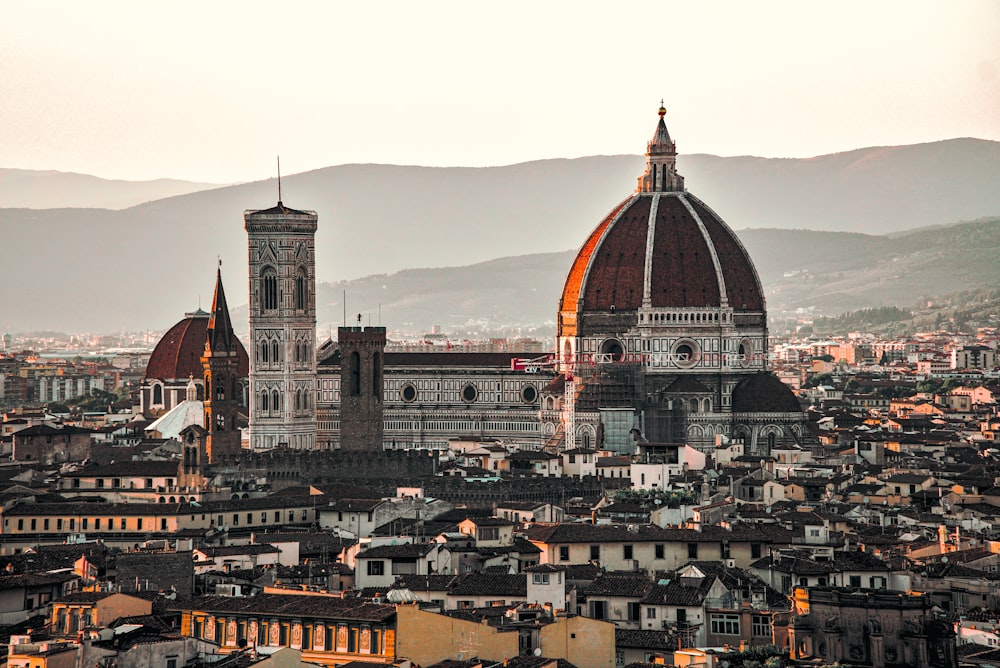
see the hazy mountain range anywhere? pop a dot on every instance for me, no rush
(143, 266)
(34, 189)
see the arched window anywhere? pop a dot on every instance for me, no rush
(263, 352)
(298, 400)
(707, 406)
(157, 394)
(220, 390)
(376, 377)
(694, 405)
(275, 401)
(300, 289)
(355, 374)
(275, 356)
(264, 402)
(269, 289)
(771, 440)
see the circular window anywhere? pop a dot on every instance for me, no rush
(529, 394)
(685, 353)
(614, 349)
(744, 352)
(469, 393)
(408, 393)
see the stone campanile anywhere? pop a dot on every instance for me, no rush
(362, 361)
(221, 363)
(282, 246)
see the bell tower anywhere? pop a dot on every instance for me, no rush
(282, 327)
(220, 362)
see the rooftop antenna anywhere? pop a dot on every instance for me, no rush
(345, 307)
(279, 180)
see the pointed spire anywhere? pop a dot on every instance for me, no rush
(661, 161)
(220, 327)
(279, 182)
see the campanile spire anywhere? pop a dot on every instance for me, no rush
(661, 161)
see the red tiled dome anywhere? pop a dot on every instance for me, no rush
(696, 260)
(178, 353)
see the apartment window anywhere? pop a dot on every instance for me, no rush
(100, 483)
(171, 662)
(59, 524)
(626, 551)
(658, 551)
(489, 533)
(724, 550)
(86, 523)
(726, 625)
(45, 524)
(376, 568)
(249, 518)
(692, 550)
(122, 525)
(72, 524)
(97, 524)
(236, 520)
(650, 613)
(564, 553)
(138, 524)
(595, 552)
(540, 578)
(633, 611)
(760, 626)
(163, 524)
(856, 581)
(20, 525)
(755, 550)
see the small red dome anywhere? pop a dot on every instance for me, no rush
(178, 353)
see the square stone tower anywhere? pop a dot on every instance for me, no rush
(282, 246)
(362, 370)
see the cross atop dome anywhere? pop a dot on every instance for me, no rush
(661, 161)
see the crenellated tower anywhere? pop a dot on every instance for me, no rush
(362, 355)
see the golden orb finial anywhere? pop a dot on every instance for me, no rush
(663, 110)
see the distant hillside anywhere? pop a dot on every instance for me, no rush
(35, 189)
(100, 270)
(827, 273)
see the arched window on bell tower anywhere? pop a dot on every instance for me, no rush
(269, 289)
(301, 298)
(220, 389)
(355, 374)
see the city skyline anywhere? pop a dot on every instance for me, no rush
(136, 92)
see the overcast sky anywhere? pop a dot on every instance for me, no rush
(212, 91)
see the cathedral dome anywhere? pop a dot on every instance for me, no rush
(177, 355)
(660, 248)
